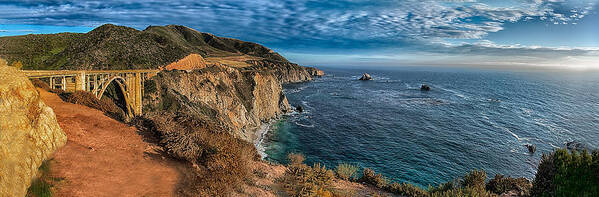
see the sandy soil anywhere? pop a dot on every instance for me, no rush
(104, 157)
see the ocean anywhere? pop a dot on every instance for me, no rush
(470, 119)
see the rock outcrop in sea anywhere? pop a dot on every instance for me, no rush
(425, 87)
(365, 77)
(29, 132)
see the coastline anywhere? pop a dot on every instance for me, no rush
(263, 131)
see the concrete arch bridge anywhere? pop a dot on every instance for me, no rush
(130, 82)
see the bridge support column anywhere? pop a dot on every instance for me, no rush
(51, 83)
(137, 92)
(80, 83)
(63, 84)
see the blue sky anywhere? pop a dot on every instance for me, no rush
(541, 33)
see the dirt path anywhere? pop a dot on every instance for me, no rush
(104, 157)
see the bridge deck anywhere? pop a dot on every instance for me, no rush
(50, 73)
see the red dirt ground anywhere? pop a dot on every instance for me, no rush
(104, 157)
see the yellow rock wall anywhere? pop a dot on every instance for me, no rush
(29, 132)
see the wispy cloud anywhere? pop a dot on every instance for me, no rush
(336, 24)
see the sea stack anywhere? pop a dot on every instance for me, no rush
(531, 148)
(425, 87)
(365, 77)
(299, 109)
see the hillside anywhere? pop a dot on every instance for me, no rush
(119, 47)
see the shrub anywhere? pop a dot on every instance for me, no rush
(475, 179)
(447, 186)
(105, 105)
(41, 186)
(473, 184)
(221, 162)
(295, 159)
(501, 184)
(346, 171)
(40, 84)
(564, 173)
(303, 180)
(463, 192)
(370, 177)
(407, 189)
(17, 64)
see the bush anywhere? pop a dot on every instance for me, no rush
(295, 159)
(303, 180)
(463, 192)
(40, 84)
(447, 186)
(564, 173)
(370, 177)
(473, 184)
(221, 161)
(346, 171)
(407, 189)
(41, 186)
(501, 184)
(475, 179)
(105, 105)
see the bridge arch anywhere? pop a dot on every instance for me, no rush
(129, 82)
(122, 85)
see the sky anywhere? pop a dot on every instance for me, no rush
(486, 33)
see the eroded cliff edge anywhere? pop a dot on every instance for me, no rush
(238, 100)
(29, 132)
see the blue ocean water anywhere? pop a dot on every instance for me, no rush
(471, 119)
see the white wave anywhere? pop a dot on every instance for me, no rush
(527, 112)
(303, 125)
(456, 93)
(295, 90)
(305, 103)
(516, 136)
(262, 131)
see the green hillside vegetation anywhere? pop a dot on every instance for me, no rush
(118, 47)
(561, 173)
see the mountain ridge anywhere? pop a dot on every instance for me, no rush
(119, 47)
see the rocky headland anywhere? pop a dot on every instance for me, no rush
(29, 132)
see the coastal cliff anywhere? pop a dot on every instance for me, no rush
(240, 101)
(29, 132)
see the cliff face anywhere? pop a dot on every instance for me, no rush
(29, 133)
(239, 101)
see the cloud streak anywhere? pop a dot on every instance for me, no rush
(305, 24)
